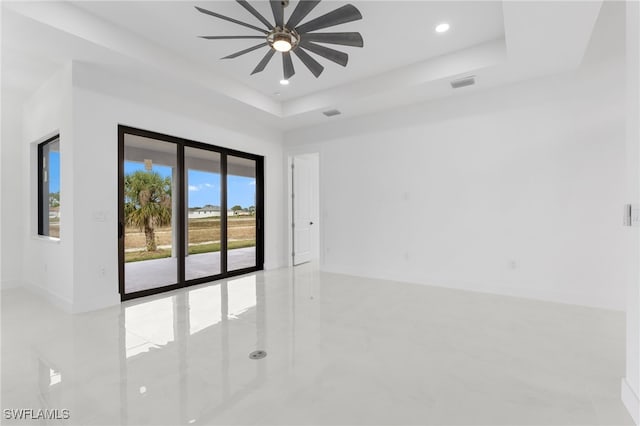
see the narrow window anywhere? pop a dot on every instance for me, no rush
(49, 187)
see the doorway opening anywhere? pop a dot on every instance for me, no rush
(305, 208)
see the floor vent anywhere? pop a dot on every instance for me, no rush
(463, 82)
(332, 112)
(257, 354)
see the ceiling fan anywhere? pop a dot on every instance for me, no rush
(291, 37)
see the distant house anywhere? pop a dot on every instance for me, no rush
(202, 212)
(54, 212)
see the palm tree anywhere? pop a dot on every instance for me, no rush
(147, 203)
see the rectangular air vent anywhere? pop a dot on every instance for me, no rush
(332, 112)
(463, 82)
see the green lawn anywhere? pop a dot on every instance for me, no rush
(138, 256)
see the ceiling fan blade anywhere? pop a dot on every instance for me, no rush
(287, 65)
(340, 58)
(255, 13)
(278, 12)
(344, 39)
(341, 15)
(263, 62)
(313, 65)
(231, 37)
(226, 18)
(303, 8)
(242, 52)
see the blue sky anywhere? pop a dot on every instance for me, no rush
(204, 187)
(54, 171)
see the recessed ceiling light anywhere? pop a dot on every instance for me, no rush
(284, 82)
(442, 28)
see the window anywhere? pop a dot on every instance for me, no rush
(49, 187)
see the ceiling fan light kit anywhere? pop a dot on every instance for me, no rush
(283, 39)
(290, 37)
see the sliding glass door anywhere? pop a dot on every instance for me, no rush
(188, 212)
(241, 222)
(203, 199)
(149, 222)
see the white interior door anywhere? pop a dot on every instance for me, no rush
(302, 210)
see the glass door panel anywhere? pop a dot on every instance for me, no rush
(203, 192)
(188, 212)
(241, 213)
(150, 222)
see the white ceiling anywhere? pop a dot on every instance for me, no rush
(396, 34)
(403, 59)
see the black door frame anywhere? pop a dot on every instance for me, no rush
(181, 219)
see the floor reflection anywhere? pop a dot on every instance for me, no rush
(340, 350)
(49, 380)
(242, 296)
(205, 308)
(148, 324)
(182, 351)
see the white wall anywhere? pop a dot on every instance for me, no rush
(631, 382)
(12, 224)
(96, 117)
(47, 265)
(80, 271)
(516, 190)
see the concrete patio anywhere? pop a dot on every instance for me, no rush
(155, 273)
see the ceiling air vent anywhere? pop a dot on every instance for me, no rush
(463, 82)
(332, 112)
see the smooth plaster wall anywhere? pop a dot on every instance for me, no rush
(85, 105)
(631, 382)
(96, 117)
(12, 225)
(47, 265)
(516, 190)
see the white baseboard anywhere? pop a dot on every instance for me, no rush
(7, 284)
(58, 301)
(95, 304)
(269, 266)
(631, 401)
(479, 287)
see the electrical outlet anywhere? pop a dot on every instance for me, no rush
(635, 215)
(99, 216)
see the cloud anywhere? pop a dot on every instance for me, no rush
(194, 188)
(252, 183)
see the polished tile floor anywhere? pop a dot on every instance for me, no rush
(340, 351)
